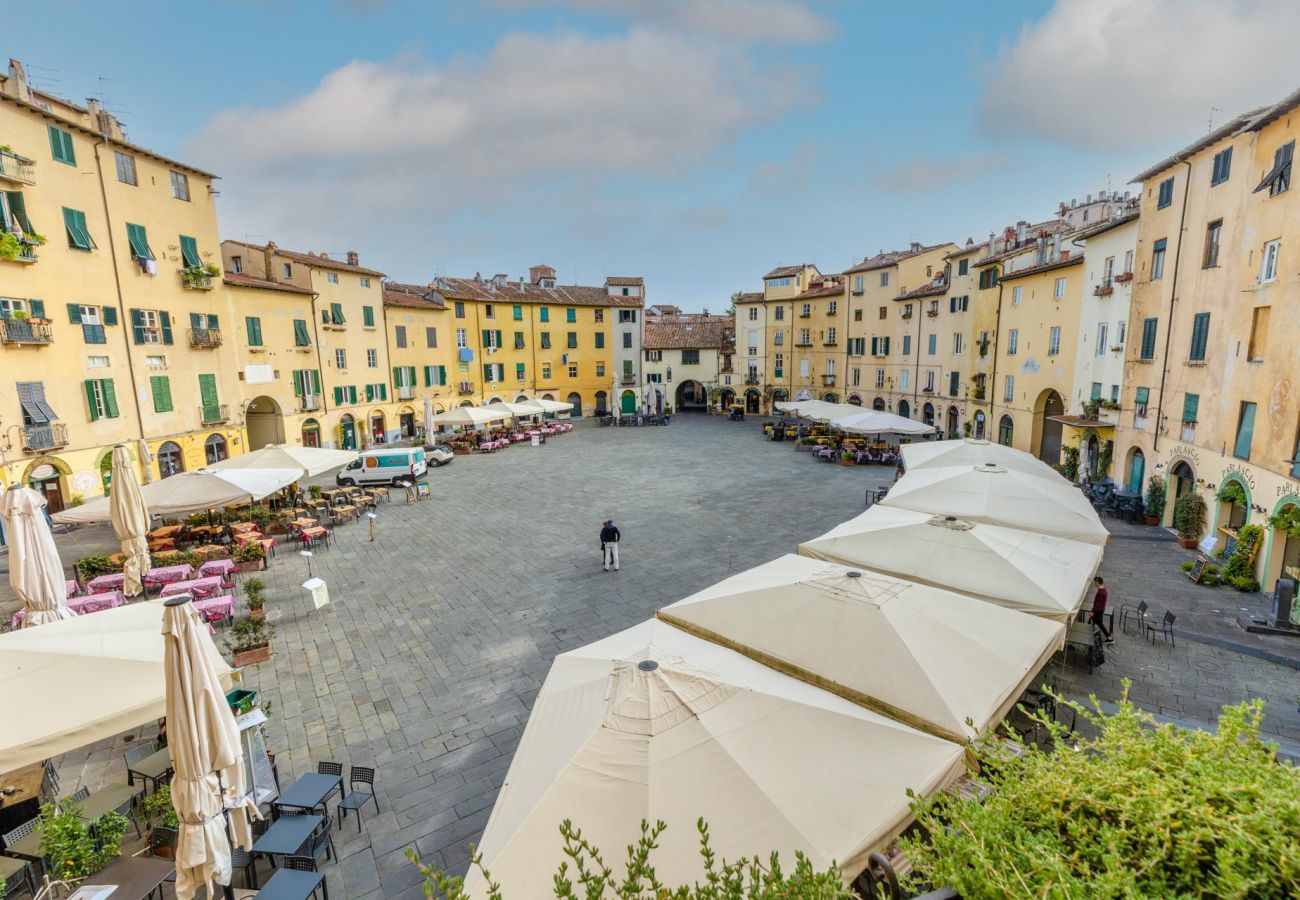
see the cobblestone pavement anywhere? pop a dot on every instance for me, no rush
(440, 632)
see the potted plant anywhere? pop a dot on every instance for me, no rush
(1189, 519)
(71, 849)
(1286, 520)
(92, 566)
(315, 491)
(1070, 467)
(250, 642)
(1239, 570)
(1232, 492)
(164, 823)
(251, 557)
(848, 457)
(255, 599)
(1155, 502)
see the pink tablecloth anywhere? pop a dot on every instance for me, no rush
(215, 607)
(221, 567)
(82, 605)
(168, 574)
(114, 582)
(72, 587)
(198, 587)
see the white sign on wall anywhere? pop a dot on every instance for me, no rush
(260, 374)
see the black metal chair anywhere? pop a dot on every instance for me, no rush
(127, 809)
(50, 783)
(1138, 612)
(325, 767)
(356, 799)
(134, 755)
(244, 860)
(307, 864)
(321, 841)
(16, 875)
(1165, 629)
(81, 794)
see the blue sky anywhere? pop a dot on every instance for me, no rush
(698, 143)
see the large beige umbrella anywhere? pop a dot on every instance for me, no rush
(972, 452)
(874, 421)
(1034, 573)
(206, 758)
(190, 492)
(552, 406)
(310, 460)
(473, 415)
(95, 676)
(130, 521)
(35, 571)
(652, 723)
(927, 657)
(994, 494)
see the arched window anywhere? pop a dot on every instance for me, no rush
(904, 409)
(310, 433)
(927, 414)
(170, 460)
(878, 404)
(1006, 428)
(214, 448)
(576, 399)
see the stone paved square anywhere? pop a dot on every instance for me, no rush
(440, 632)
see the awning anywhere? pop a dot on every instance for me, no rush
(1083, 422)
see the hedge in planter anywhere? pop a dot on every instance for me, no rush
(1189, 517)
(250, 556)
(70, 847)
(1155, 502)
(1239, 570)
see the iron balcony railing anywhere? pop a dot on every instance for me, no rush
(44, 437)
(211, 415)
(16, 168)
(205, 337)
(308, 402)
(25, 331)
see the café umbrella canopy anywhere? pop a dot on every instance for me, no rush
(973, 452)
(926, 657)
(473, 415)
(311, 460)
(188, 492)
(522, 407)
(996, 495)
(130, 518)
(207, 787)
(35, 571)
(86, 678)
(1022, 570)
(652, 723)
(871, 421)
(552, 406)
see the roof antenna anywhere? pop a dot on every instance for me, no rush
(1213, 110)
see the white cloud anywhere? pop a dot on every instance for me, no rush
(1111, 73)
(789, 21)
(924, 173)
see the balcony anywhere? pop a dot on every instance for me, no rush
(831, 343)
(1103, 290)
(308, 403)
(751, 379)
(828, 381)
(196, 280)
(906, 314)
(215, 414)
(806, 315)
(465, 388)
(26, 331)
(24, 253)
(16, 169)
(205, 338)
(803, 343)
(932, 313)
(405, 392)
(44, 437)
(627, 379)
(1124, 277)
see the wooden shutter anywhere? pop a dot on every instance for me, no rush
(368, 316)
(254, 327)
(1142, 396)
(89, 385)
(160, 386)
(338, 396)
(315, 382)
(1149, 338)
(109, 315)
(137, 326)
(214, 323)
(397, 376)
(1200, 336)
(93, 334)
(190, 251)
(1191, 406)
(165, 320)
(297, 382)
(74, 313)
(442, 375)
(208, 391)
(300, 336)
(110, 398)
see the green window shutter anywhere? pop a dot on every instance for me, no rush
(61, 146)
(138, 238)
(397, 376)
(75, 224)
(74, 313)
(214, 323)
(368, 316)
(137, 326)
(571, 315)
(165, 321)
(370, 392)
(18, 209)
(162, 394)
(519, 371)
(197, 321)
(315, 382)
(1245, 431)
(600, 340)
(352, 393)
(190, 251)
(383, 392)
(208, 391)
(110, 315)
(442, 375)
(300, 336)
(254, 326)
(82, 230)
(545, 314)
(428, 376)
(1191, 406)
(1149, 338)
(338, 396)
(1142, 396)
(90, 399)
(336, 313)
(1200, 336)
(498, 337)
(297, 382)
(487, 372)
(110, 398)
(93, 334)
(487, 338)
(519, 313)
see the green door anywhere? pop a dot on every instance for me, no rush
(627, 403)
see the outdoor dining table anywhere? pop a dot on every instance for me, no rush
(241, 527)
(347, 509)
(114, 581)
(247, 537)
(308, 792)
(72, 587)
(167, 574)
(104, 801)
(379, 492)
(166, 531)
(290, 884)
(217, 568)
(132, 877)
(88, 603)
(152, 768)
(196, 587)
(303, 523)
(314, 534)
(285, 837)
(214, 608)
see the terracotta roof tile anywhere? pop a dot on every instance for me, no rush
(938, 286)
(750, 297)
(687, 332)
(311, 259)
(625, 280)
(239, 279)
(1071, 260)
(827, 288)
(893, 257)
(785, 271)
(513, 292)
(412, 296)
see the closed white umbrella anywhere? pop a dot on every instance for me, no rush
(972, 452)
(997, 495)
(130, 519)
(473, 415)
(920, 655)
(871, 421)
(206, 757)
(189, 492)
(35, 571)
(652, 723)
(311, 460)
(429, 429)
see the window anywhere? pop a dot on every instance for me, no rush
(156, 362)
(654, 356)
(334, 315)
(341, 359)
(1009, 389)
(627, 340)
(517, 313)
(690, 357)
(301, 338)
(753, 314)
(803, 368)
(1054, 341)
(1200, 337)
(237, 264)
(570, 315)
(907, 344)
(778, 338)
(1121, 332)
(1096, 391)
(956, 343)
(74, 222)
(1108, 272)
(519, 340)
(600, 370)
(1128, 261)
(460, 311)
(1258, 333)
(1268, 262)
(1213, 232)
(546, 340)
(1222, 166)
(1278, 178)
(125, 168)
(491, 339)
(884, 278)
(1006, 428)
(253, 328)
(1101, 339)
(929, 381)
(1059, 291)
(932, 345)
(1245, 431)
(287, 269)
(1166, 193)
(332, 277)
(1148, 339)
(180, 186)
(627, 315)
(1141, 397)
(880, 378)
(1013, 341)
(600, 340)
(367, 316)
(572, 343)
(779, 314)
(399, 336)
(1016, 293)
(138, 240)
(904, 379)
(98, 362)
(160, 386)
(884, 312)
(61, 146)
(857, 315)
(805, 311)
(857, 284)
(1158, 260)
(778, 364)
(150, 326)
(858, 346)
(461, 339)
(832, 307)
(365, 282)
(988, 278)
(954, 380)
(431, 337)
(546, 372)
(520, 372)
(805, 337)
(101, 399)
(830, 336)
(488, 311)
(190, 252)
(963, 266)
(573, 370)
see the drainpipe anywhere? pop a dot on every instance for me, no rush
(991, 390)
(1173, 298)
(917, 386)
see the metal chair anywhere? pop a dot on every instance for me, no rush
(16, 875)
(244, 860)
(135, 754)
(307, 864)
(1164, 629)
(50, 783)
(356, 799)
(82, 793)
(325, 767)
(1138, 612)
(127, 809)
(322, 840)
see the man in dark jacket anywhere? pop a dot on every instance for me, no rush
(609, 544)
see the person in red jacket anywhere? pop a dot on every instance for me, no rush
(1099, 608)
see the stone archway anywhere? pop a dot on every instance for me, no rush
(406, 421)
(1135, 468)
(830, 397)
(576, 399)
(265, 422)
(751, 401)
(927, 414)
(376, 427)
(311, 433)
(48, 476)
(602, 403)
(347, 435)
(855, 400)
(979, 425)
(215, 448)
(1006, 430)
(627, 403)
(691, 397)
(878, 404)
(905, 409)
(171, 461)
(1046, 444)
(952, 422)
(1282, 559)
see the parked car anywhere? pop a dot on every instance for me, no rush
(394, 465)
(438, 455)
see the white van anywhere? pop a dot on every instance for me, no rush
(384, 467)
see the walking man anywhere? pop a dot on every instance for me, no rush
(609, 536)
(1099, 609)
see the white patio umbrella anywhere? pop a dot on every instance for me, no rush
(95, 676)
(206, 757)
(552, 406)
(35, 571)
(972, 452)
(189, 492)
(473, 415)
(429, 429)
(871, 421)
(997, 495)
(652, 723)
(923, 656)
(522, 408)
(309, 460)
(1021, 570)
(130, 518)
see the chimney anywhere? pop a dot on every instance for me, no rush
(353, 259)
(268, 254)
(916, 246)
(1020, 231)
(478, 277)
(18, 75)
(1056, 246)
(1041, 255)
(990, 253)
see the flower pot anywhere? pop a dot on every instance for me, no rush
(252, 656)
(255, 565)
(846, 462)
(1187, 543)
(257, 615)
(1151, 520)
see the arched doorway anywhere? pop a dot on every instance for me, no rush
(265, 423)
(1233, 504)
(1006, 430)
(310, 433)
(1136, 468)
(952, 422)
(1047, 431)
(170, 459)
(495, 400)
(576, 399)
(927, 414)
(692, 397)
(106, 470)
(1183, 480)
(467, 403)
(46, 476)
(751, 401)
(904, 409)
(215, 448)
(830, 397)
(727, 398)
(780, 395)
(979, 425)
(855, 399)
(347, 432)
(406, 421)
(521, 399)
(378, 427)
(878, 404)
(1283, 559)
(1092, 455)
(627, 403)
(548, 396)
(602, 403)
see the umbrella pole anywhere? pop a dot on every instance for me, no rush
(227, 890)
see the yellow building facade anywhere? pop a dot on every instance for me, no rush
(422, 350)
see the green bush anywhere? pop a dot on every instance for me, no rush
(1240, 569)
(1070, 468)
(94, 566)
(253, 551)
(158, 807)
(1244, 583)
(70, 848)
(1232, 492)
(1155, 502)
(1286, 520)
(1142, 810)
(1187, 566)
(590, 878)
(1189, 516)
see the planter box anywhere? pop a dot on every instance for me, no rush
(1187, 543)
(252, 657)
(258, 615)
(1151, 520)
(256, 565)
